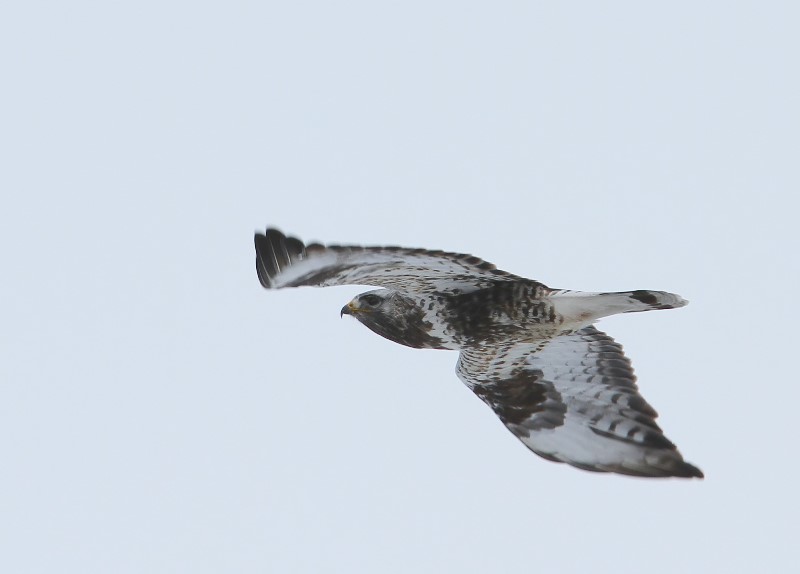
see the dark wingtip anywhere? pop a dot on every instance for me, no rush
(692, 471)
(274, 252)
(263, 260)
(683, 469)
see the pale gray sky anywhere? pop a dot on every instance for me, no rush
(160, 412)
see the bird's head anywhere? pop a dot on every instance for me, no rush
(394, 316)
(372, 303)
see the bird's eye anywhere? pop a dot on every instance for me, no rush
(372, 300)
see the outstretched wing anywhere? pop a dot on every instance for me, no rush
(574, 399)
(286, 262)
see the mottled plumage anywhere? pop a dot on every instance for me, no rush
(561, 386)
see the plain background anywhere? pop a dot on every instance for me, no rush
(161, 412)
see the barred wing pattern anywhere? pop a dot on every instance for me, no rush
(574, 399)
(286, 262)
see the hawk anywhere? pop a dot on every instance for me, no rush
(531, 353)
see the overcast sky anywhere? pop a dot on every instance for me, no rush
(160, 412)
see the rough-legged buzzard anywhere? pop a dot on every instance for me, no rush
(561, 386)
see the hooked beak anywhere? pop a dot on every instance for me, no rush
(348, 309)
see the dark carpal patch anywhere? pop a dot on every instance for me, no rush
(524, 401)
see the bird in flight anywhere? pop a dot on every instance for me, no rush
(531, 353)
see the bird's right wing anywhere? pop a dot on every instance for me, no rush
(287, 262)
(574, 399)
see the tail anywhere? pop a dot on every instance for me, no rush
(577, 306)
(649, 300)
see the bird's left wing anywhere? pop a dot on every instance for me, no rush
(287, 262)
(574, 399)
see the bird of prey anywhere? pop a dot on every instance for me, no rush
(531, 353)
